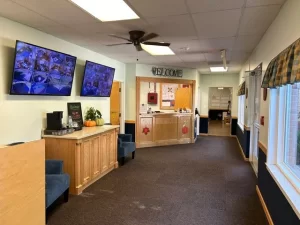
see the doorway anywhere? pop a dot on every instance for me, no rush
(255, 83)
(219, 111)
(116, 104)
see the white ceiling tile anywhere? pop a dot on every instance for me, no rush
(239, 57)
(22, 15)
(180, 26)
(156, 8)
(216, 44)
(257, 20)
(196, 65)
(192, 57)
(246, 43)
(94, 28)
(251, 3)
(217, 24)
(60, 11)
(169, 59)
(196, 6)
(215, 57)
(128, 25)
(184, 45)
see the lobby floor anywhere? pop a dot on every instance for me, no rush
(207, 183)
(218, 128)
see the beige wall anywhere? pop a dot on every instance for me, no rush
(283, 31)
(218, 80)
(23, 117)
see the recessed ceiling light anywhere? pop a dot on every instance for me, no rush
(107, 10)
(157, 50)
(218, 69)
(220, 88)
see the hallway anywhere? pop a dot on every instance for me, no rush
(218, 128)
(207, 183)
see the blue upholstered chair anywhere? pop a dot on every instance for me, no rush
(57, 182)
(125, 147)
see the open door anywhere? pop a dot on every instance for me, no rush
(115, 106)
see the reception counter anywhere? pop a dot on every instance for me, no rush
(159, 129)
(88, 154)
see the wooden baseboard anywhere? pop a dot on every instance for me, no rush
(203, 134)
(242, 152)
(269, 218)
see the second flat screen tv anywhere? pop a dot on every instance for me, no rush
(97, 80)
(41, 71)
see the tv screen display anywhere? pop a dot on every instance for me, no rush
(97, 80)
(41, 71)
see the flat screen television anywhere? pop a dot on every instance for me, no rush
(97, 80)
(41, 71)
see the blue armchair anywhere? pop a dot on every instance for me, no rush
(125, 147)
(57, 182)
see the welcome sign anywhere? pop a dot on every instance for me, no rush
(166, 72)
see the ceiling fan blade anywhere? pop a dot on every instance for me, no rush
(139, 48)
(148, 37)
(129, 43)
(115, 36)
(156, 43)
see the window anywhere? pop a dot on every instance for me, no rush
(284, 141)
(241, 111)
(291, 152)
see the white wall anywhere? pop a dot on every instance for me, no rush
(283, 31)
(218, 80)
(142, 70)
(23, 117)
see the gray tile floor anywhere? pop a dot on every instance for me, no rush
(207, 183)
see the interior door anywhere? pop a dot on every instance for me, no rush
(115, 104)
(256, 82)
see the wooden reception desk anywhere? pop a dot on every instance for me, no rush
(159, 129)
(88, 154)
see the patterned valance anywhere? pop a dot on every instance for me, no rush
(242, 89)
(284, 68)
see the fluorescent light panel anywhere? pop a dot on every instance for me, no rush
(220, 88)
(218, 69)
(157, 50)
(107, 10)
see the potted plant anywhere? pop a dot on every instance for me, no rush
(90, 117)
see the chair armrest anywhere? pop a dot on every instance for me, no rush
(125, 137)
(54, 166)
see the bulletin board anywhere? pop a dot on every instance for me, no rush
(167, 95)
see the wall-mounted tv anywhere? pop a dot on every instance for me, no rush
(41, 71)
(97, 80)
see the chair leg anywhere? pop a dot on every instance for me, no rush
(133, 155)
(66, 195)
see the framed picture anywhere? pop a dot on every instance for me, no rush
(74, 110)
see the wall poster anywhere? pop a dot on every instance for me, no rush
(167, 93)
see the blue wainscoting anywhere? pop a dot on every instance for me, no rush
(233, 126)
(279, 208)
(203, 125)
(244, 139)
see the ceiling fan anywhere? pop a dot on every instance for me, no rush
(137, 38)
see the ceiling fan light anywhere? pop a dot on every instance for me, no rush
(157, 50)
(217, 69)
(107, 10)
